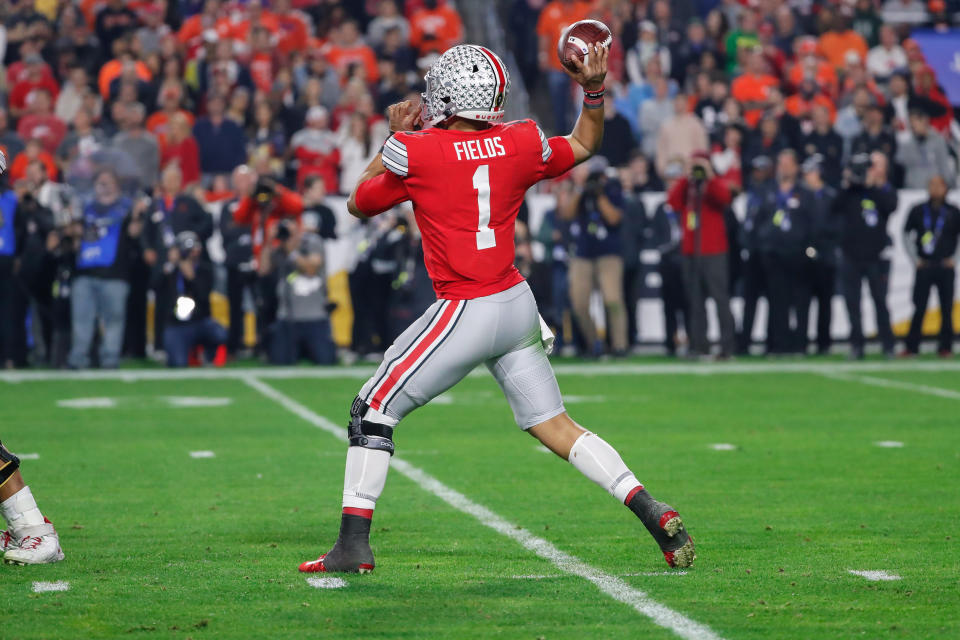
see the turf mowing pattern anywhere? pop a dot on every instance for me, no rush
(162, 544)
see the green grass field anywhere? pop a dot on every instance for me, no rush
(160, 544)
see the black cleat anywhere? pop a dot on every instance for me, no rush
(350, 554)
(666, 527)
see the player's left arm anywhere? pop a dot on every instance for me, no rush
(587, 133)
(379, 189)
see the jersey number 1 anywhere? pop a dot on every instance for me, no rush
(481, 182)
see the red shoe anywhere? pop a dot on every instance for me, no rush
(220, 358)
(317, 566)
(195, 357)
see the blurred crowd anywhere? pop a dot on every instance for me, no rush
(137, 131)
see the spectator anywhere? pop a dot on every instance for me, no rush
(356, 150)
(865, 206)
(39, 123)
(108, 244)
(238, 250)
(689, 51)
(849, 121)
(905, 12)
(898, 105)
(33, 151)
(388, 18)
(349, 50)
(36, 76)
(221, 141)
(823, 260)
(866, 22)
(681, 135)
(653, 114)
(170, 98)
(841, 39)
(554, 18)
(703, 198)
(595, 212)
(11, 144)
(742, 42)
(753, 276)
(394, 48)
(315, 148)
(766, 141)
(726, 158)
(752, 89)
(74, 93)
(179, 147)
(266, 133)
(303, 324)
(184, 283)
(293, 28)
(139, 144)
(12, 300)
(618, 142)
(886, 57)
(269, 203)
(114, 21)
(924, 153)
(77, 151)
(930, 237)
(435, 28)
(810, 65)
(648, 46)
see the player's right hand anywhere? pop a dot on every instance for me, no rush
(404, 116)
(590, 74)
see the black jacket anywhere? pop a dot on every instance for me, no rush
(865, 211)
(935, 231)
(171, 284)
(830, 146)
(827, 225)
(785, 221)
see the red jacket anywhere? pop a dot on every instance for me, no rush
(709, 220)
(286, 204)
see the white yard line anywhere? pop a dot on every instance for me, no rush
(876, 576)
(723, 446)
(44, 587)
(648, 574)
(894, 384)
(889, 444)
(608, 584)
(361, 373)
(202, 454)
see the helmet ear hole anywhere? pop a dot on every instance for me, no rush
(476, 68)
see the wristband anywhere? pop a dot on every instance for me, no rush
(593, 99)
(595, 94)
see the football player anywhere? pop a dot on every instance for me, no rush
(467, 173)
(30, 538)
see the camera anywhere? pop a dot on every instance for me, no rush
(283, 231)
(187, 241)
(698, 173)
(594, 183)
(857, 169)
(264, 191)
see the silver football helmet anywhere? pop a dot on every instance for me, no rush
(468, 81)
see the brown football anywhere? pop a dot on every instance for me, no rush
(575, 39)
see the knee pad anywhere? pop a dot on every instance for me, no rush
(9, 464)
(370, 435)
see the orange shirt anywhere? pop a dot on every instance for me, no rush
(824, 75)
(341, 58)
(752, 88)
(112, 70)
(836, 45)
(554, 18)
(800, 108)
(293, 33)
(18, 170)
(443, 23)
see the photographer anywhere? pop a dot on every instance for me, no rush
(303, 324)
(238, 250)
(865, 204)
(171, 212)
(930, 237)
(184, 282)
(595, 212)
(784, 230)
(701, 199)
(108, 245)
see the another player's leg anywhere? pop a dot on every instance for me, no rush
(30, 538)
(594, 458)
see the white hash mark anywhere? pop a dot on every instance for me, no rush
(43, 587)
(327, 583)
(28, 456)
(202, 454)
(543, 449)
(876, 576)
(197, 401)
(723, 446)
(87, 403)
(889, 444)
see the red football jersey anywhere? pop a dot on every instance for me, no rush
(467, 188)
